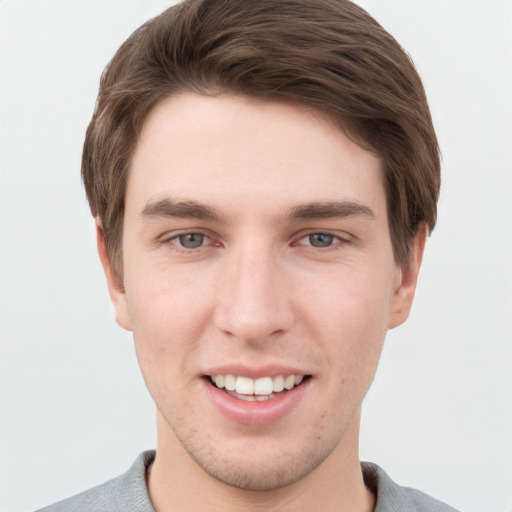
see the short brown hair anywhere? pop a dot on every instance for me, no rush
(329, 54)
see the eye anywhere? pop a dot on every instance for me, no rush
(190, 240)
(320, 240)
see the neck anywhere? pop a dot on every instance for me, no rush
(176, 481)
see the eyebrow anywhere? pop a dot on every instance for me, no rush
(181, 209)
(166, 208)
(330, 210)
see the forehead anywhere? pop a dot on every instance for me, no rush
(236, 152)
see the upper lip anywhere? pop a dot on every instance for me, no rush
(254, 372)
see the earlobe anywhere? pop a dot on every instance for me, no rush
(408, 278)
(114, 283)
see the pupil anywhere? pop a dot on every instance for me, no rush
(321, 240)
(192, 240)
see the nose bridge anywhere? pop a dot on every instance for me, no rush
(253, 304)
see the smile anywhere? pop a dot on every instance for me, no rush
(261, 400)
(261, 389)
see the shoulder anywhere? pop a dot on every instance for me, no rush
(96, 499)
(122, 494)
(392, 497)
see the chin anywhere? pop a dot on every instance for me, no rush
(268, 475)
(257, 463)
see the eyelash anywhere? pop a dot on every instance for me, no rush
(336, 243)
(174, 241)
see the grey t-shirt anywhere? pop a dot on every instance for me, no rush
(129, 493)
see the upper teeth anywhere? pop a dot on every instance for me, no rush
(261, 386)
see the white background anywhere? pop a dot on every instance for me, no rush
(73, 408)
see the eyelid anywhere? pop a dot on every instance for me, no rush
(204, 240)
(342, 237)
(169, 238)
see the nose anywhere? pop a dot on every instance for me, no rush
(254, 299)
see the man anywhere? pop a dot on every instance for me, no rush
(263, 177)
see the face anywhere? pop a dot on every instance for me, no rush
(259, 282)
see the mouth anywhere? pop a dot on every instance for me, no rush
(256, 390)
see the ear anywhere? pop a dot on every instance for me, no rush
(114, 283)
(407, 278)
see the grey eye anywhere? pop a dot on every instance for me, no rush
(191, 240)
(321, 239)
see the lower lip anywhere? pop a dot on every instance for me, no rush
(255, 413)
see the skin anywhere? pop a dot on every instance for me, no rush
(257, 291)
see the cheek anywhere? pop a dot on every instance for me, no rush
(359, 297)
(350, 315)
(168, 316)
(165, 302)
